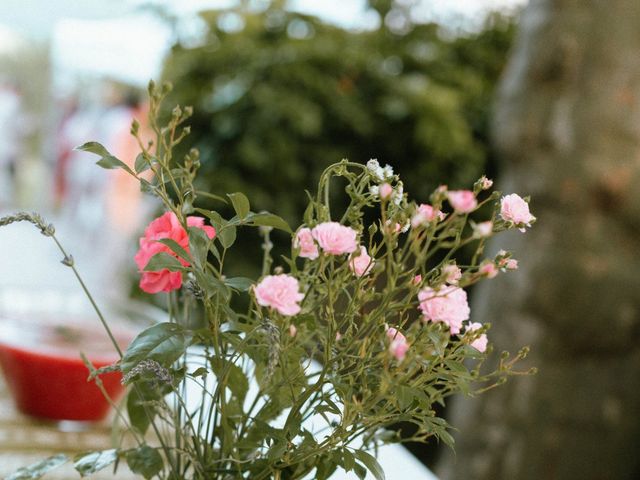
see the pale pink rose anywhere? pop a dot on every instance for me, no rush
(514, 209)
(335, 239)
(452, 274)
(512, 264)
(488, 269)
(280, 292)
(479, 343)
(338, 336)
(398, 345)
(462, 201)
(385, 191)
(395, 334)
(398, 349)
(424, 214)
(165, 226)
(362, 264)
(293, 331)
(417, 280)
(448, 305)
(483, 229)
(304, 241)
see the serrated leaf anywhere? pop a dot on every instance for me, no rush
(239, 283)
(227, 235)
(37, 470)
(145, 460)
(163, 261)
(240, 204)
(140, 405)
(236, 380)
(199, 372)
(141, 164)
(88, 463)
(107, 160)
(176, 248)
(164, 343)
(95, 148)
(266, 219)
(371, 463)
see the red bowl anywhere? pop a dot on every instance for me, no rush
(46, 375)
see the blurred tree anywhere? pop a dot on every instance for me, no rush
(280, 95)
(567, 127)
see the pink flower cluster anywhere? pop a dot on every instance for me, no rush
(514, 209)
(447, 305)
(362, 264)
(425, 214)
(280, 292)
(334, 239)
(398, 346)
(166, 226)
(462, 201)
(479, 343)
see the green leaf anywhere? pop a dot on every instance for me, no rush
(198, 245)
(95, 148)
(227, 235)
(163, 261)
(239, 283)
(266, 219)
(199, 372)
(88, 463)
(240, 204)
(236, 380)
(37, 470)
(176, 248)
(141, 405)
(107, 160)
(164, 343)
(141, 164)
(371, 463)
(145, 460)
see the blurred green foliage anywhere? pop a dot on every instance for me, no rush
(280, 95)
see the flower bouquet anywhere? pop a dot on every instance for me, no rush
(364, 326)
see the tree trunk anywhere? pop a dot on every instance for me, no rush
(567, 126)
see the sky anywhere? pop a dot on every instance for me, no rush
(103, 36)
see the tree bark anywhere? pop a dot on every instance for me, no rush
(567, 126)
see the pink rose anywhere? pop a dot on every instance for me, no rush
(451, 274)
(165, 226)
(335, 239)
(304, 241)
(448, 305)
(483, 229)
(462, 201)
(280, 292)
(479, 343)
(398, 346)
(395, 334)
(417, 280)
(511, 264)
(488, 269)
(362, 264)
(514, 209)
(424, 214)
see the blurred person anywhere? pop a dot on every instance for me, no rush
(10, 109)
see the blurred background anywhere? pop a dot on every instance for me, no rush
(543, 96)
